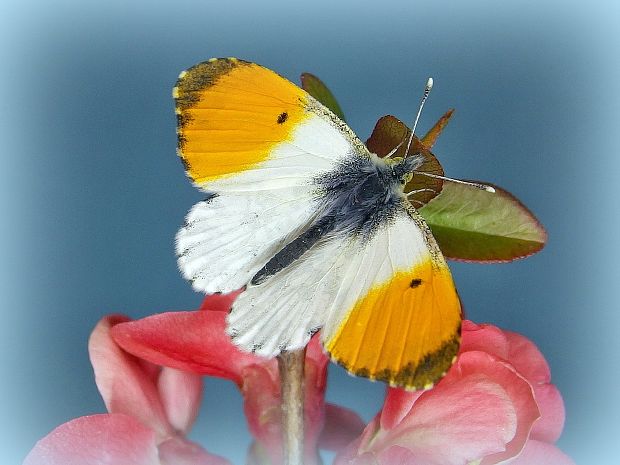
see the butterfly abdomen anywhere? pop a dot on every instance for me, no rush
(296, 249)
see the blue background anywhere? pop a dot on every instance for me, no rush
(92, 192)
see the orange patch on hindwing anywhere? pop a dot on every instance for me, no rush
(405, 331)
(231, 114)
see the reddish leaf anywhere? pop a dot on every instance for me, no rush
(388, 133)
(431, 136)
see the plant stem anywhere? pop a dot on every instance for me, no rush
(291, 366)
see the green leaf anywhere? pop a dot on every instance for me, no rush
(315, 87)
(470, 224)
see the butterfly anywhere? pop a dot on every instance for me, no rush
(314, 227)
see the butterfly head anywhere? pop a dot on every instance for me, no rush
(403, 168)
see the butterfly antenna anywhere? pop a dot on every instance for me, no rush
(484, 187)
(427, 90)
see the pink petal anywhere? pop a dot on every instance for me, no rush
(125, 383)
(372, 431)
(542, 453)
(219, 302)
(455, 422)
(341, 427)
(316, 353)
(178, 451)
(521, 396)
(315, 383)
(527, 359)
(397, 405)
(393, 455)
(181, 393)
(189, 341)
(482, 407)
(549, 426)
(485, 338)
(396, 455)
(261, 393)
(108, 439)
(530, 363)
(351, 456)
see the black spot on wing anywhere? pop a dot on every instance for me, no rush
(282, 117)
(415, 283)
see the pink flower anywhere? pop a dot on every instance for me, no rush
(496, 405)
(150, 410)
(197, 342)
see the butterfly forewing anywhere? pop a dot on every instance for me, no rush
(256, 143)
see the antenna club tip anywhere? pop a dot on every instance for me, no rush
(429, 83)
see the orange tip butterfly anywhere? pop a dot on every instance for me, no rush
(316, 228)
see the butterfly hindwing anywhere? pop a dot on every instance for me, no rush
(227, 238)
(401, 323)
(387, 303)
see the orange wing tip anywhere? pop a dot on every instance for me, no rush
(423, 375)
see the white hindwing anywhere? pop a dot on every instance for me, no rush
(321, 287)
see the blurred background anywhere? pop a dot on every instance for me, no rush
(92, 193)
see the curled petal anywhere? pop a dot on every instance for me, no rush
(521, 397)
(447, 427)
(219, 302)
(315, 383)
(189, 341)
(107, 439)
(261, 393)
(351, 455)
(549, 426)
(125, 383)
(485, 338)
(396, 455)
(397, 405)
(527, 359)
(316, 353)
(483, 407)
(542, 453)
(177, 451)
(181, 393)
(529, 362)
